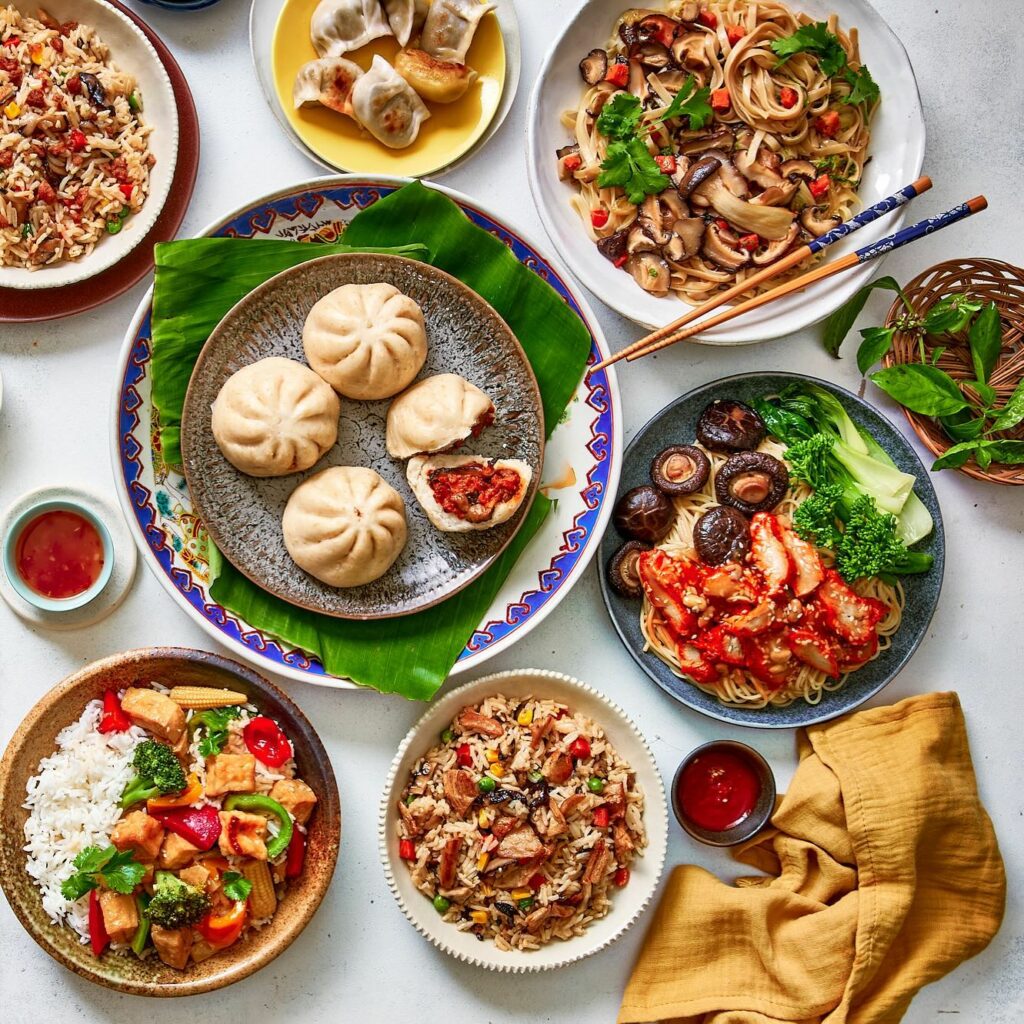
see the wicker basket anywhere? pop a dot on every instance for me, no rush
(990, 280)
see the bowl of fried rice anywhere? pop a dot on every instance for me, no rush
(88, 140)
(523, 825)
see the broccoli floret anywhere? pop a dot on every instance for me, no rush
(176, 904)
(869, 545)
(809, 460)
(157, 771)
(815, 518)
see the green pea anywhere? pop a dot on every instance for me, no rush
(447, 736)
(133, 102)
(524, 905)
(595, 784)
(441, 905)
(486, 784)
(113, 226)
(535, 776)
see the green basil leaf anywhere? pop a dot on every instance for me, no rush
(950, 314)
(963, 426)
(986, 341)
(924, 389)
(986, 392)
(937, 354)
(1012, 413)
(877, 341)
(839, 324)
(1009, 453)
(955, 457)
(983, 457)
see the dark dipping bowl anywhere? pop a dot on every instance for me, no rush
(754, 821)
(36, 739)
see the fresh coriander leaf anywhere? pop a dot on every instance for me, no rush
(620, 118)
(923, 389)
(123, 872)
(75, 887)
(965, 425)
(877, 341)
(92, 858)
(839, 324)
(95, 865)
(1012, 413)
(863, 88)
(986, 342)
(236, 886)
(817, 40)
(629, 166)
(692, 103)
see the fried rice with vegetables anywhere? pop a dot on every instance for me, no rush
(521, 823)
(74, 150)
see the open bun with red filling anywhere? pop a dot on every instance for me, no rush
(468, 492)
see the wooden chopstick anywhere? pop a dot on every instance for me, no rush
(894, 241)
(872, 213)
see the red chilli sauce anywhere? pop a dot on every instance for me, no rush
(718, 789)
(59, 554)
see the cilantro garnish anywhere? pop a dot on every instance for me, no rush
(620, 118)
(863, 88)
(103, 865)
(236, 886)
(691, 102)
(633, 169)
(817, 40)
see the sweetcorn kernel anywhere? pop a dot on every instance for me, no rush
(478, 916)
(492, 756)
(497, 771)
(481, 861)
(525, 717)
(12, 109)
(521, 894)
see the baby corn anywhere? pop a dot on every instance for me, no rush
(201, 698)
(263, 898)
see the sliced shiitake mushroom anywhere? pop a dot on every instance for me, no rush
(594, 67)
(639, 240)
(700, 172)
(756, 171)
(776, 250)
(614, 246)
(721, 535)
(752, 482)
(817, 222)
(690, 51)
(798, 169)
(680, 469)
(730, 426)
(731, 177)
(623, 569)
(563, 154)
(651, 272)
(722, 139)
(716, 249)
(651, 54)
(777, 195)
(691, 231)
(658, 26)
(643, 513)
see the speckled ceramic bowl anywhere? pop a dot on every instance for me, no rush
(243, 513)
(35, 739)
(676, 424)
(645, 872)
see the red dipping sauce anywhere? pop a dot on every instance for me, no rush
(718, 789)
(59, 554)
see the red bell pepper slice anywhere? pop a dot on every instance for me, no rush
(579, 748)
(297, 854)
(98, 937)
(198, 825)
(266, 741)
(618, 74)
(621, 878)
(601, 816)
(113, 718)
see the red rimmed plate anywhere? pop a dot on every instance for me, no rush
(27, 306)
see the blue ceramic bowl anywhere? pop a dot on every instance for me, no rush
(184, 5)
(676, 424)
(49, 604)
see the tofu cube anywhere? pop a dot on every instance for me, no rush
(155, 712)
(176, 852)
(139, 833)
(296, 796)
(243, 835)
(173, 945)
(196, 875)
(230, 773)
(120, 915)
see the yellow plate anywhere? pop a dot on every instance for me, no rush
(451, 130)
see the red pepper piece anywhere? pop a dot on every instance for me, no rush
(721, 101)
(98, 937)
(708, 18)
(572, 163)
(621, 878)
(820, 186)
(827, 124)
(463, 757)
(618, 74)
(579, 748)
(734, 33)
(77, 140)
(266, 741)
(12, 41)
(73, 85)
(113, 718)
(722, 224)
(599, 218)
(601, 816)
(750, 242)
(407, 849)
(788, 97)
(126, 189)
(667, 163)
(620, 261)
(296, 855)
(536, 881)
(198, 825)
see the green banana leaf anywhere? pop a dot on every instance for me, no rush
(199, 280)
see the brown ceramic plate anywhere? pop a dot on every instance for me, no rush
(243, 513)
(36, 739)
(27, 306)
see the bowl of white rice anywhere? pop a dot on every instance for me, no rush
(558, 843)
(60, 782)
(88, 140)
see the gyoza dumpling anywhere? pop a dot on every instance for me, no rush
(327, 81)
(387, 106)
(339, 26)
(467, 492)
(438, 81)
(275, 417)
(450, 26)
(401, 15)
(436, 415)
(345, 526)
(366, 340)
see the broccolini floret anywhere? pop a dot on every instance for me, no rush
(157, 771)
(176, 904)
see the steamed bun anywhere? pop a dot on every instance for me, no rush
(275, 417)
(345, 526)
(366, 340)
(436, 414)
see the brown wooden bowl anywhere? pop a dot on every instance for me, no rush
(991, 281)
(36, 739)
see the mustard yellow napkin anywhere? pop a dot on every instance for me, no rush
(884, 874)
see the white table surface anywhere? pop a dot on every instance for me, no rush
(359, 960)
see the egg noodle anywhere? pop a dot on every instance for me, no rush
(755, 78)
(740, 687)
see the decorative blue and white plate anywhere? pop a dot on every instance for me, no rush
(581, 469)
